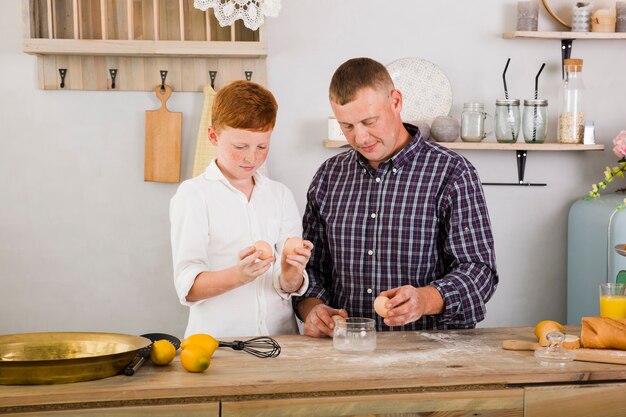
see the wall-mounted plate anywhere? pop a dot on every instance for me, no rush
(426, 90)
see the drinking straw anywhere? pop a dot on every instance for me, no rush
(506, 95)
(535, 106)
(506, 91)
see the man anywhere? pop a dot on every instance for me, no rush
(396, 216)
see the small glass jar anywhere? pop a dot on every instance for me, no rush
(473, 122)
(355, 335)
(507, 120)
(535, 121)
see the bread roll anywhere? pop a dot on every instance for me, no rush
(603, 333)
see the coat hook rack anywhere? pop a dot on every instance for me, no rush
(212, 75)
(62, 73)
(163, 77)
(521, 166)
(113, 72)
(248, 75)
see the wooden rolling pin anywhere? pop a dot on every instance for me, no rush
(582, 354)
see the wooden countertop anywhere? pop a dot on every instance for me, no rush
(308, 367)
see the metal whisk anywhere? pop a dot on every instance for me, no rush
(261, 347)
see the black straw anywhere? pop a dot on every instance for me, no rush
(535, 106)
(506, 90)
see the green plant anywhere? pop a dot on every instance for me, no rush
(610, 173)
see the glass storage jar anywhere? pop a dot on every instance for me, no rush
(571, 112)
(473, 122)
(507, 120)
(535, 121)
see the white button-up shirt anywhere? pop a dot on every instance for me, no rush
(211, 223)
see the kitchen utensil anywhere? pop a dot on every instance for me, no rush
(163, 141)
(144, 353)
(355, 335)
(621, 249)
(63, 357)
(582, 354)
(261, 347)
(554, 354)
(426, 91)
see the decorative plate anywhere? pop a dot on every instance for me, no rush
(561, 10)
(426, 90)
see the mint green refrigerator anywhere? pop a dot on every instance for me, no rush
(595, 227)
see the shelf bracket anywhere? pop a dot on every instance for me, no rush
(566, 53)
(521, 166)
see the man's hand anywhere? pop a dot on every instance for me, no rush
(250, 267)
(407, 304)
(319, 322)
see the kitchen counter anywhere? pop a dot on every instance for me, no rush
(457, 372)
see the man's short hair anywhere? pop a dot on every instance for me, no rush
(244, 105)
(356, 74)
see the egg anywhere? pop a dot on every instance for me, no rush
(265, 248)
(379, 305)
(291, 244)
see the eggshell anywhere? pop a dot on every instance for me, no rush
(291, 244)
(379, 305)
(265, 248)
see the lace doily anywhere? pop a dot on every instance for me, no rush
(252, 12)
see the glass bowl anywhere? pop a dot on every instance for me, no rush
(355, 335)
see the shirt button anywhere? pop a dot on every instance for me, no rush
(377, 179)
(369, 290)
(394, 170)
(370, 252)
(373, 215)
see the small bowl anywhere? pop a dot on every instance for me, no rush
(355, 335)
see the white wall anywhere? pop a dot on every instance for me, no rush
(84, 241)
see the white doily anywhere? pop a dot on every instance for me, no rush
(252, 12)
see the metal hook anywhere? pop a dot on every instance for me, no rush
(248, 75)
(212, 75)
(62, 73)
(113, 72)
(163, 77)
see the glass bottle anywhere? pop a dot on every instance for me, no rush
(473, 122)
(507, 120)
(571, 112)
(535, 121)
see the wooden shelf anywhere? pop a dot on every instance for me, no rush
(91, 47)
(494, 146)
(564, 35)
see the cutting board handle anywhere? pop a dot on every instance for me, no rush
(163, 95)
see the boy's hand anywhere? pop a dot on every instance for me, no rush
(250, 267)
(293, 266)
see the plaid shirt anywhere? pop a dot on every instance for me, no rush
(419, 219)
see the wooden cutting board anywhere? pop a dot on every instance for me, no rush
(582, 354)
(163, 141)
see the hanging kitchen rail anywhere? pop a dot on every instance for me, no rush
(138, 38)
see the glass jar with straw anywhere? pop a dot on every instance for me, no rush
(507, 118)
(535, 119)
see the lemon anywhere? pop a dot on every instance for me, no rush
(162, 352)
(193, 359)
(544, 327)
(203, 341)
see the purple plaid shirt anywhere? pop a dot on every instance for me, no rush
(419, 219)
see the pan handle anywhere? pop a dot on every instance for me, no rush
(134, 365)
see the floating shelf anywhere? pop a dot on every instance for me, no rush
(495, 146)
(564, 35)
(521, 153)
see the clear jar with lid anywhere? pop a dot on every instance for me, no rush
(571, 112)
(535, 121)
(473, 122)
(507, 120)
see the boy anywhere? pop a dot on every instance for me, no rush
(217, 216)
